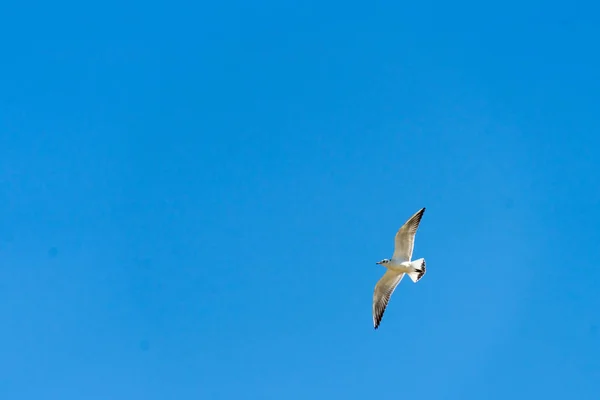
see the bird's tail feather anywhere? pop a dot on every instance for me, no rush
(419, 270)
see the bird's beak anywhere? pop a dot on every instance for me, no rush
(378, 262)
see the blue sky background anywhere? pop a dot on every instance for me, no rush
(193, 197)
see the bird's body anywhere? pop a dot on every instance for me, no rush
(399, 265)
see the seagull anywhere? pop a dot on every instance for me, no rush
(399, 265)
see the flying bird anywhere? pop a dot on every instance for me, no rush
(399, 265)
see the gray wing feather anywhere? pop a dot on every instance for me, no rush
(405, 237)
(383, 291)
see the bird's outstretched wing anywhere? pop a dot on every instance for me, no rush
(383, 291)
(405, 237)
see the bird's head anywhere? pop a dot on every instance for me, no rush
(384, 261)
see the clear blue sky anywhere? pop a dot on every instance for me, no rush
(193, 197)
